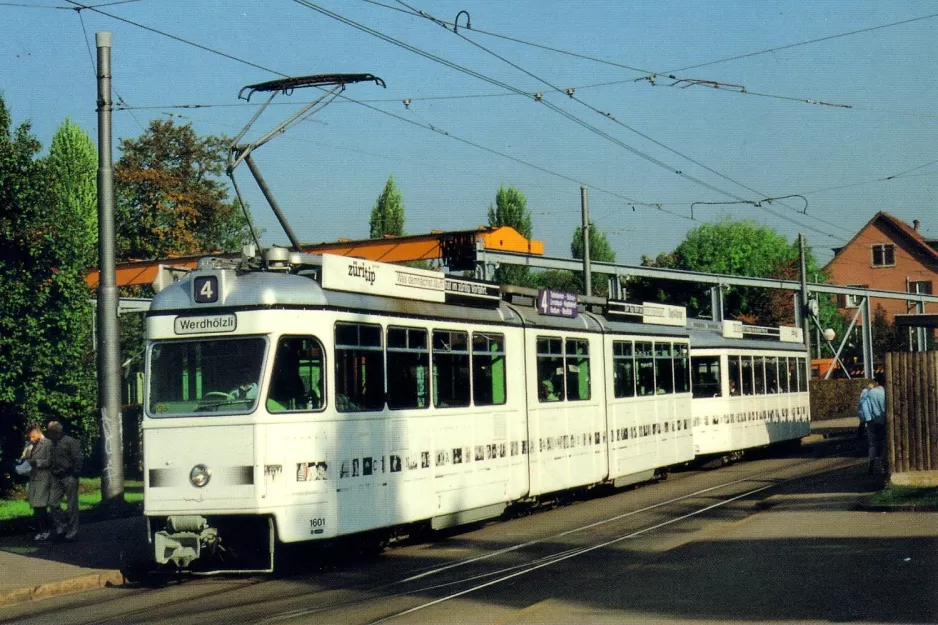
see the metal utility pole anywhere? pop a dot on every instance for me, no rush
(584, 204)
(109, 398)
(805, 313)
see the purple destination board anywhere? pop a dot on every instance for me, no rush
(557, 303)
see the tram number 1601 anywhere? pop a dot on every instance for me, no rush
(316, 525)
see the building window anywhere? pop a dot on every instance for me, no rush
(921, 287)
(884, 255)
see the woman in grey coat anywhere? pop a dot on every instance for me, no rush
(40, 479)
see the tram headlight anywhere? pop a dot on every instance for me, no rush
(200, 475)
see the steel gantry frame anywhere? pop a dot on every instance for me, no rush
(487, 261)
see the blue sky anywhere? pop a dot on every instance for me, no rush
(775, 140)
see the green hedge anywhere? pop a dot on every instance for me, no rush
(835, 399)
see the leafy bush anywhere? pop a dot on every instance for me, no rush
(835, 399)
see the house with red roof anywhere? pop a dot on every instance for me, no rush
(887, 254)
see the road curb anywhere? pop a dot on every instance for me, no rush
(94, 581)
(898, 508)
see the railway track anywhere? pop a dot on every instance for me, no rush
(402, 585)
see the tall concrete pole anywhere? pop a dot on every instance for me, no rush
(109, 398)
(584, 204)
(805, 313)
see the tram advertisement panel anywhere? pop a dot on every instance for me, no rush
(340, 273)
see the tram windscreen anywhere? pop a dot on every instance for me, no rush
(205, 377)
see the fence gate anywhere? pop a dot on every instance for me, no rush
(912, 411)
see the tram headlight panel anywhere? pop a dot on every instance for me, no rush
(200, 475)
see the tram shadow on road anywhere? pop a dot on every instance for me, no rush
(799, 551)
(804, 552)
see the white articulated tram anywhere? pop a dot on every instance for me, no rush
(317, 397)
(750, 387)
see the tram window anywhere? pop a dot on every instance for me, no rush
(578, 369)
(488, 369)
(297, 380)
(734, 375)
(772, 379)
(784, 373)
(681, 377)
(450, 369)
(802, 380)
(623, 369)
(645, 366)
(758, 370)
(792, 375)
(664, 369)
(205, 376)
(746, 374)
(706, 371)
(549, 369)
(359, 367)
(408, 363)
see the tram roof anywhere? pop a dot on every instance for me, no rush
(704, 339)
(624, 327)
(335, 282)
(283, 290)
(276, 290)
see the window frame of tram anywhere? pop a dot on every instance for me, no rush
(193, 382)
(745, 370)
(563, 369)
(664, 368)
(550, 362)
(706, 376)
(297, 380)
(644, 368)
(758, 374)
(489, 372)
(773, 381)
(681, 356)
(407, 363)
(451, 364)
(577, 369)
(363, 362)
(623, 369)
(786, 371)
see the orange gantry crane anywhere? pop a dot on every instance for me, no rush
(456, 249)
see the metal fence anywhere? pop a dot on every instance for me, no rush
(912, 405)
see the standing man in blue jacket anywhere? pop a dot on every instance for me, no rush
(863, 409)
(876, 426)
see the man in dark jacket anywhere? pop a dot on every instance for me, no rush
(67, 459)
(40, 479)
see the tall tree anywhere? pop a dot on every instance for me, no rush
(600, 251)
(170, 198)
(741, 248)
(45, 313)
(387, 216)
(73, 162)
(511, 209)
(73, 159)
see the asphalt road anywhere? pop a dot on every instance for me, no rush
(775, 539)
